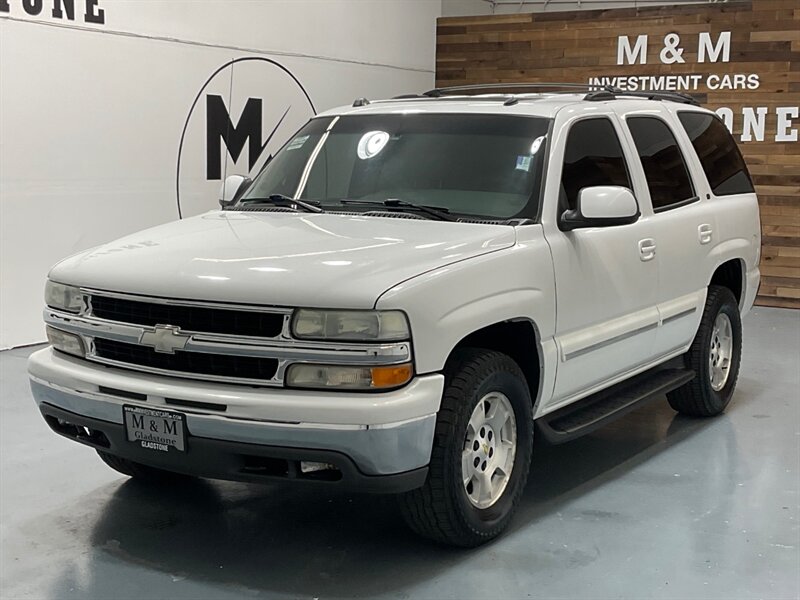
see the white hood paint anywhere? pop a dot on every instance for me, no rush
(280, 259)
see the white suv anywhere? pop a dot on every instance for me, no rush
(408, 290)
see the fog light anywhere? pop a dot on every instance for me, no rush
(346, 377)
(313, 467)
(65, 342)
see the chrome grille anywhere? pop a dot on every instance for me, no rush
(196, 363)
(227, 321)
(209, 341)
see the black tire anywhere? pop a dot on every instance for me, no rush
(441, 509)
(698, 398)
(140, 472)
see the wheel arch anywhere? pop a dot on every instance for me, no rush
(518, 338)
(732, 275)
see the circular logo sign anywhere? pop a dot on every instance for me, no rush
(242, 114)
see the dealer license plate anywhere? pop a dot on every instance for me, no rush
(153, 429)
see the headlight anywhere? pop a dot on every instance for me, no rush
(66, 342)
(65, 297)
(351, 325)
(348, 378)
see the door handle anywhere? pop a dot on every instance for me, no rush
(705, 233)
(647, 249)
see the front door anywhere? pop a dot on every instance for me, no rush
(606, 277)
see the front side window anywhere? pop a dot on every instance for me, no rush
(664, 168)
(593, 156)
(470, 164)
(722, 162)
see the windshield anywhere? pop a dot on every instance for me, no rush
(469, 164)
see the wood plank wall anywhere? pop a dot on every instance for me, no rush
(574, 46)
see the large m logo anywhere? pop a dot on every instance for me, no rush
(220, 129)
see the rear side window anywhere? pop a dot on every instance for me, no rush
(593, 156)
(664, 167)
(722, 162)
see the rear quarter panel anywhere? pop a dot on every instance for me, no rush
(739, 226)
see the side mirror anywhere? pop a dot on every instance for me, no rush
(233, 187)
(601, 206)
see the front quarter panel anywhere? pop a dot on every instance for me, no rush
(447, 304)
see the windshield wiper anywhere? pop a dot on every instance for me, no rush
(282, 200)
(438, 212)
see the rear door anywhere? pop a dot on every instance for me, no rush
(683, 222)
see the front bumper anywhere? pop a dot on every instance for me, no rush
(366, 436)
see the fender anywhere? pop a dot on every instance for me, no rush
(447, 304)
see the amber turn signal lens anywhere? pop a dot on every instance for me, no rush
(348, 377)
(393, 376)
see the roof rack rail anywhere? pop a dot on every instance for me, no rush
(594, 92)
(443, 91)
(612, 93)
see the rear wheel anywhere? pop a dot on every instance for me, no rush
(481, 452)
(714, 356)
(139, 471)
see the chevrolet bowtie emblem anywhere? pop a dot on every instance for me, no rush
(165, 339)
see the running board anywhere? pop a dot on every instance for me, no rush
(599, 409)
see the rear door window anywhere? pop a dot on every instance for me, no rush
(662, 161)
(720, 157)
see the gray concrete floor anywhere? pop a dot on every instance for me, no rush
(653, 506)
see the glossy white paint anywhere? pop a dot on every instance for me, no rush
(606, 295)
(622, 309)
(279, 258)
(230, 188)
(605, 302)
(607, 202)
(447, 304)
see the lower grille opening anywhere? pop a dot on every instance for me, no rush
(78, 432)
(198, 363)
(122, 393)
(196, 404)
(290, 469)
(264, 465)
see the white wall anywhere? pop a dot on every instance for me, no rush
(463, 8)
(92, 114)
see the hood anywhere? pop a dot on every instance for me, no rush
(280, 259)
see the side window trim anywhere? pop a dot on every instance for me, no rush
(695, 197)
(679, 204)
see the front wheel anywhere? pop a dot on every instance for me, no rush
(481, 452)
(714, 356)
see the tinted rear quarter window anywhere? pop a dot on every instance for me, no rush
(664, 166)
(593, 156)
(720, 157)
